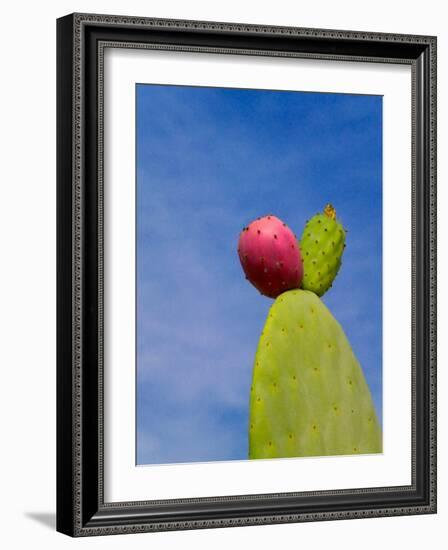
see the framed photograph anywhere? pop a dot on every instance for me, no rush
(246, 274)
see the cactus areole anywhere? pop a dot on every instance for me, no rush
(270, 256)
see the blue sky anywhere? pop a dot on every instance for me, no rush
(210, 160)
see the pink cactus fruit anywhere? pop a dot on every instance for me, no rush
(270, 256)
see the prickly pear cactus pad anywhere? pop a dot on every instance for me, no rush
(322, 245)
(308, 395)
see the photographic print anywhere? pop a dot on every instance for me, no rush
(258, 274)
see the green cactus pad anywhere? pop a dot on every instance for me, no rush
(321, 245)
(308, 395)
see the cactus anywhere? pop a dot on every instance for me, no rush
(270, 256)
(308, 395)
(322, 245)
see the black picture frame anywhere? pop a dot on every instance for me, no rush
(81, 510)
